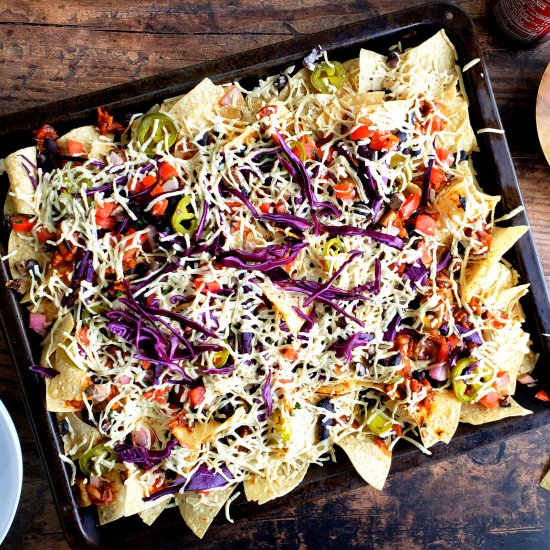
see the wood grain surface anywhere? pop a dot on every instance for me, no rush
(487, 499)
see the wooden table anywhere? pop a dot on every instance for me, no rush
(488, 498)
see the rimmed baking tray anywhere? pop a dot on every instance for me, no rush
(496, 173)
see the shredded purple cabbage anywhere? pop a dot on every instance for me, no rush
(204, 479)
(202, 222)
(143, 457)
(473, 338)
(46, 372)
(266, 393)
(374, 286)
(417, 273)
(274, 255)
(344, 348)
(444, 263)
(221, 370)
(390, 240)
(391, 329)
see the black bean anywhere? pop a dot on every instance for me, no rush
(204, 140)
(63, 427)
(419, 375)
(50, 146)
(393, 60)
(280, 82)
(403, 136)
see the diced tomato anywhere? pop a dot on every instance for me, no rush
(212, 286)
(196, 396)
(142, 237)
(309, 146)
(280, 207)
(160, 396)
(397, 429)
(363, 132)
(75, 147)
(437, 176)
(167, 171)
(453, 340)
(409, 207)
(288, 266)
(381, 140)
(146, 364)
(542, 395)
(437, 124)
(345, 190)
(105, 223)
(290, 355)
(105, 210)
(502, 379)
(44, 234)
(157, 190)
(67, 253)
(265, 207)
(443, 351)
(426, 257)
(159, 208)
(83, 336)
(22, 223)
(444, 156)
(426, 225)
(490, 400)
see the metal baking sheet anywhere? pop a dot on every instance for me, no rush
(496, 173)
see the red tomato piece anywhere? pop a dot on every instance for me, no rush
(196, 396)
(437, 176)
(105, 223)
(167, 171)
(345, 189)
(159, 208)
(409, 207)
(444, 156)
(75, 147)
(382, 140)
(290, 355)
(44, 234)
(542, 395)
(22, 223)
(265, 207)
(490, 400)
(426, 225)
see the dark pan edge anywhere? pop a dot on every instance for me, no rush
(78, 533)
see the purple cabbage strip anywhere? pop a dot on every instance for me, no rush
(391, 329)
(311, 287)
(98, 163)
(325, 286)
(374, 286)
(168, 268)
(344, 348)
(416, 273)
(83, 272)
(299, 173)
(309, 319)
(177, 484)
(426, 182)
(221, 370)
(28, 170)
(46, 372)
(444, 263)
(266, 393)
(142, 456)
(474, 338)
(204, 479)
(244, 340)
(202, 222)
(379, 236)
(271, 256)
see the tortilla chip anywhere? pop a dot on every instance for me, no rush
(370, 461)
(114, 510)
(9, 206)
(353, 70)
(281, 479)
(283, 301)
(300, 429)
(192, 438)
(194, 110)
(80, 436)
(22, 248)
(529, 362)
(474, 413)
(372, 71)
(150, 515)
(20, 183)
(545, 481)
(89, 137)
(59, 332)
(431, 66)
(133, 502)
(198, 510)
(67, 386)
(341, 388)
(438, 421)
(459, 134)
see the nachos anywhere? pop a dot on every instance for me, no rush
(237, 282)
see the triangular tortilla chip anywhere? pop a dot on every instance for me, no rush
(114, 510)
(280, 480)
(150, 515)
(18, 165)
(22, 248)
(59, 332)
(372, 71)
(133, 502)
(283, 301)
(196, 108)
(80, 437)
(67, 386)
(438, 421)
(479, 414)
(545, 481)
(370, 460)
(199, 510)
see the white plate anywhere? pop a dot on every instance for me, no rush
(11, 471)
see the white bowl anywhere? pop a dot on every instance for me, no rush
(11, 471)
